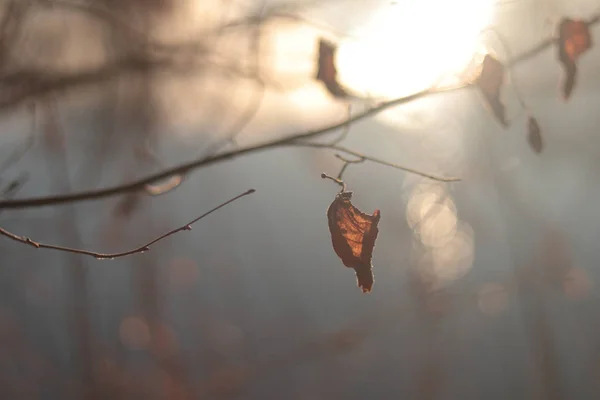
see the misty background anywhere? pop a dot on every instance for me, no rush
(484, 288)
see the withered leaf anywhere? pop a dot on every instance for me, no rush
(353, 235)
(574, 39)
(327, 72)
(534, 135)
(490, 82)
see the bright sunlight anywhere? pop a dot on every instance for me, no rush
(410, 45)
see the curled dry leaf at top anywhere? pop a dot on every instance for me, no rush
(574, 39)
(353, 235)
(327, 72)
(490, 82)
(534, 135)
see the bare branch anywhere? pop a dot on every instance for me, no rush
(182, 169)
(346, 163)
(345, 129)
(110, 256)
(336, 180)
(372, 159)
(51, 84)
(543, 45)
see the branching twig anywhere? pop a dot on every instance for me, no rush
(336, 180)
(109, 256)
(50, 84)
(256, 99)
(371, 159)
(345, 129)
(347, 162)
(27, 84)
(292, 140)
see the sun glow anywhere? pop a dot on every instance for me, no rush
(410, 45)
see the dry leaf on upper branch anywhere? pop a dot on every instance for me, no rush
(574, 39)
(490, 82)
(353, 234)
(327, 72)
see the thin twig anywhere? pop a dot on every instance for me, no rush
(336, 180)
(371, 159)
(346, 163)
(543, 45)
(110, 256)
(256, 99)
(26, 84)
(346, 128)
(292, 140)
(158, 189)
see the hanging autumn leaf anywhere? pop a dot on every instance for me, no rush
(574, 39)
(353, 234)
(534, 135)
(327, 72)
(490, 81)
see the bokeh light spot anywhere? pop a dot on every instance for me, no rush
(453, 260)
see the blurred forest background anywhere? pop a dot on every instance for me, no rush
(484, 288)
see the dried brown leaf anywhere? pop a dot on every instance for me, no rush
(534, 135)
(574, 39)
(353, 235)
(490, 82)
(327, 72)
